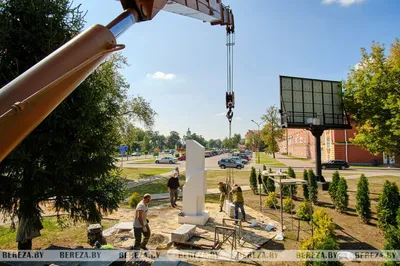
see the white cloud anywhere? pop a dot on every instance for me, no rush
(239, 118)
(161, 75)
(221, 114)
(342, 2)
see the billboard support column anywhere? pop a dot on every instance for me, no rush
(317, 133)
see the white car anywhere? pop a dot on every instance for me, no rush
(240, 160)
(169, 160)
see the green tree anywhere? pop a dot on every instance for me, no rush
(333, 186)
(253, 180)
(272, 131)
(69, 156)
(228, 143)
(341, 198)
(388, 205)
(138, 109)
(212, 144)
(173, 139)
(313, 186)
(363, 203)
(198, 138)
(146, 144)
(371, 96)
(306, 192)
(236, 140)
(218, 143)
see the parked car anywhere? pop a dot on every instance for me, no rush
(230, 163)
(240, 160)
(182, 158)
(169, 160)
(136, 154)
(335, 164)
(244, 156)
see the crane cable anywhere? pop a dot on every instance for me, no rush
(230, 95)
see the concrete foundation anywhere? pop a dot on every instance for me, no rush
(195, 219)
(183, 233)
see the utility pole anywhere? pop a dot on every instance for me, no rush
(258, 140)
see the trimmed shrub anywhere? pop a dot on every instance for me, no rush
(363, 203)
(392, 237)
(268, 185)
(313, 186)
(304, 211)
(134, 199)
(342, 198)
(271, 201)
(333, 185)
(253, 180)
(291, 172)
(323, 238)
(292, 188)
(288, 205)
(177, 155)
(306, 193)
(388, 205)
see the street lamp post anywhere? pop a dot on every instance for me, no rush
(258, 140)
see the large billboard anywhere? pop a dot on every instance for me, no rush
(306, 102)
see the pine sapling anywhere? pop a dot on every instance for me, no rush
(342, 198)
(363, 203)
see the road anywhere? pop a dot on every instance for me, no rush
(211, 163)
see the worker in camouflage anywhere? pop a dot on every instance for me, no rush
(224, 191)
(238, 201)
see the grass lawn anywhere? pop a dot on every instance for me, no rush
(53, 233)
(156, 187)
(241, 177)
(137, 173)
(143, 161)
(297, 158)
(268, 160)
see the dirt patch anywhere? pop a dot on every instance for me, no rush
(157, 239)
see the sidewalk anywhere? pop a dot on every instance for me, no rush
(209, 192)
(294, 163)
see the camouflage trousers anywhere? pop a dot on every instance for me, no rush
(221, 200)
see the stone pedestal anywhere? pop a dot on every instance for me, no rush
(195, 187)
(229, 208)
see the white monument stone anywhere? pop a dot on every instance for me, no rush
(195, 187)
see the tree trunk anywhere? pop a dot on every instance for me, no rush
(273, 155)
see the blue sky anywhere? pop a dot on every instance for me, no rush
(179, 63)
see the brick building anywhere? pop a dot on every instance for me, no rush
(335, 145)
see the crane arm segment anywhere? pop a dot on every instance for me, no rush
(212, 11)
